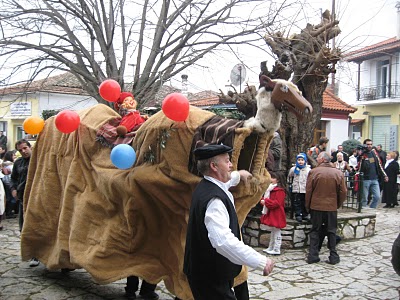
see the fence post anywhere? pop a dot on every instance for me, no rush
(360, 191)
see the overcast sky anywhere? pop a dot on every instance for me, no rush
(363, 22)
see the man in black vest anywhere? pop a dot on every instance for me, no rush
(214, 252)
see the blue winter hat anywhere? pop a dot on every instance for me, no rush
(302, 155)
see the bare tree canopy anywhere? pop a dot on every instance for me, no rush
(307, 57)
(96, 39)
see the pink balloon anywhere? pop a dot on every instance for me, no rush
(67, 121)
(110, 90)
(176, 107)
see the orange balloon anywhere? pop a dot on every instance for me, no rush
(33, 125)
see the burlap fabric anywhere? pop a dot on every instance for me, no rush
(82, 212)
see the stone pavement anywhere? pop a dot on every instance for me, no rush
(365, 272)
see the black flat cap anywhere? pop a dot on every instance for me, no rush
(209, 151)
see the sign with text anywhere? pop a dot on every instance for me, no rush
(21, 109)
(393, 137)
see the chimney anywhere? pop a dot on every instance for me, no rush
(184, 85)
(398, 19)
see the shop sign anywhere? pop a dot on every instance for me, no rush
(21, 109)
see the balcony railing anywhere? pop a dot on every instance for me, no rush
(379, 92)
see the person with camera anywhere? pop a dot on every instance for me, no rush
(370, 165)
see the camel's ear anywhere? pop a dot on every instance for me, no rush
(266, 82)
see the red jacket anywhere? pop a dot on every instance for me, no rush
(275, 216)
(131, 120)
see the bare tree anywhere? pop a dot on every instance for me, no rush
(96, 39)
(307, 57)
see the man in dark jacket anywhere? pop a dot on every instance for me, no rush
(339, 150)
(214, 252)
(18, 181)
(325, 193)
(19, 175)
(370, 165)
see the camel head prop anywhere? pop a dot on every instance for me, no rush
(272, 97)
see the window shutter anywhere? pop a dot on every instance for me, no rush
(381, 131)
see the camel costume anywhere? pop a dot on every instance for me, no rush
(82, 212)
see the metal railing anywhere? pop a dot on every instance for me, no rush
(379, 92)
(354, 183)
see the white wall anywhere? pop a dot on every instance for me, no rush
(52, 101)
(337, 131)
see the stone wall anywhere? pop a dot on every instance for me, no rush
(351, 225)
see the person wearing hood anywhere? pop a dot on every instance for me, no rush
(298, 177)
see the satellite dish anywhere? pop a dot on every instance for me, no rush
(238, 74)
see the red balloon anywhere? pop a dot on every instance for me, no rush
(110, 90)
(176, 107)
(67, 121)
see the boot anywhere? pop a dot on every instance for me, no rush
(277, 246)
(271, 242)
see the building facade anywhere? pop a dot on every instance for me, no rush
(54, 93)
(375, 72)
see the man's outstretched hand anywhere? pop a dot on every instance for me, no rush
(268, 267)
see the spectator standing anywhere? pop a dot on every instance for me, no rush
(325, 192)
(298, 176)
(6, 169)
(340, 150)
(274, 217)
(3, 141)
(2, 204)
(18, 181)
(341, 164)
(389, 195)
(214, 252)
(370, 165)
(323, 142)
(2, 153)
(382, 154)
(353, 161)
(276, 150)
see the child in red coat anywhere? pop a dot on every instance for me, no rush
(274, 216)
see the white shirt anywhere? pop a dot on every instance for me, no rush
(221, 236)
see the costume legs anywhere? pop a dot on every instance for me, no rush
(132, 286)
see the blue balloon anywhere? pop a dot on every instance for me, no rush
(123, 156)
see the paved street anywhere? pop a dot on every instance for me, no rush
(365, 272)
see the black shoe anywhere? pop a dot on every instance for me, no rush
(299, 219)
(332, 262)
(387, 206)
(129, 294)
(66, 270)
(149, 296)
(313, 261)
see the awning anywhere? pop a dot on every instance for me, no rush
(357, 121)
